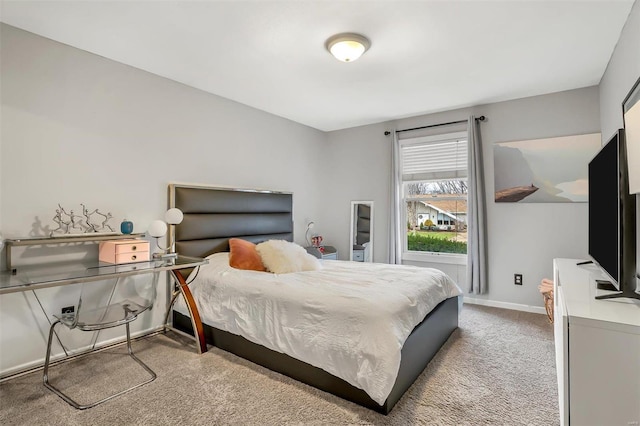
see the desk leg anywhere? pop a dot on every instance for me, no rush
(198, 329)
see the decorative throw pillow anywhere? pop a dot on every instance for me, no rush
(243, 255)
(282, 257)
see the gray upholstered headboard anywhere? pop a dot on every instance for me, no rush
(213, 215)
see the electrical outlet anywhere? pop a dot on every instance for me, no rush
(68, 310)
(517, 279)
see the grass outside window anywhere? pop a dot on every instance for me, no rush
(437, 241)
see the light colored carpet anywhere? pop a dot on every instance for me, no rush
(496, 369)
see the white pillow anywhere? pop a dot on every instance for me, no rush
(282, 257)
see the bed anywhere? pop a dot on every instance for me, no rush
(214, 215)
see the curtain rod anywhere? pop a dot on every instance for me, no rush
(481, 118)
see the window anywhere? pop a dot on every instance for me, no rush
(434, 193)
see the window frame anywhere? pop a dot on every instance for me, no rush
(426, 256)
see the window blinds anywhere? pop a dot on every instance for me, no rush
(435, 160)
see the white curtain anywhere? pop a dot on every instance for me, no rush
(476, 214)
(395, 243)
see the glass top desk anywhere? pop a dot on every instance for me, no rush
(35, 277)
(45, 275)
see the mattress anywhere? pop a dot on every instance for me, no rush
(350, 319)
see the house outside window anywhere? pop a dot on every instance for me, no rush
(434, 195)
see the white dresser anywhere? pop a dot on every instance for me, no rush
(597, 345)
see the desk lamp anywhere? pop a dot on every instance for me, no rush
(158, 229)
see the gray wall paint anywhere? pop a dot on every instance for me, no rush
(621, 73)
(80, 128)
(357, 168)
(523, 238)
(77, 127)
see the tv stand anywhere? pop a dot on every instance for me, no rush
(627, 291)
(597, 343)
(604, 285)
(630, 294)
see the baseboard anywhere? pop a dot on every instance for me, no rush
(505, 305)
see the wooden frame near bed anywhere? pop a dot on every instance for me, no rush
(213, 215)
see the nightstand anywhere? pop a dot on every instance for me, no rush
(330, 252)
(358, 254)
(327, 252)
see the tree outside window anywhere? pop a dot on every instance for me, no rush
(445, 201)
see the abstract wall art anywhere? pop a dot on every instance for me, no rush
(552, 170)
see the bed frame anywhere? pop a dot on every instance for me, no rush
(213, 215)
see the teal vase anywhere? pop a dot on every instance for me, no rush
(126, 227)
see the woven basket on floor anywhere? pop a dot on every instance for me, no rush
(548, 304)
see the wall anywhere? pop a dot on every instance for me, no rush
(523, 238)
(621, 73)
(356, 168)
(79, 128)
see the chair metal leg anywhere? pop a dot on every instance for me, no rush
(84, 407)
(142, 364)
(45, 377)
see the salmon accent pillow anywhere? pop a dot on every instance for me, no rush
(243, 255)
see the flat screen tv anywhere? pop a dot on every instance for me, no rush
(612, 219)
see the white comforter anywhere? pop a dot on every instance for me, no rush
(350, 319)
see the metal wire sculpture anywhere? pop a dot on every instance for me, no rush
(71, 223)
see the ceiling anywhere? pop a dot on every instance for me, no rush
(425, 56)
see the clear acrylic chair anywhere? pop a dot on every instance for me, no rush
(100, 318)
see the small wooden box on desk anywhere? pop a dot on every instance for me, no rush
(597, 346)
(124, 251)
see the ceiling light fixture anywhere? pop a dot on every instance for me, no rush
(347, 47)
